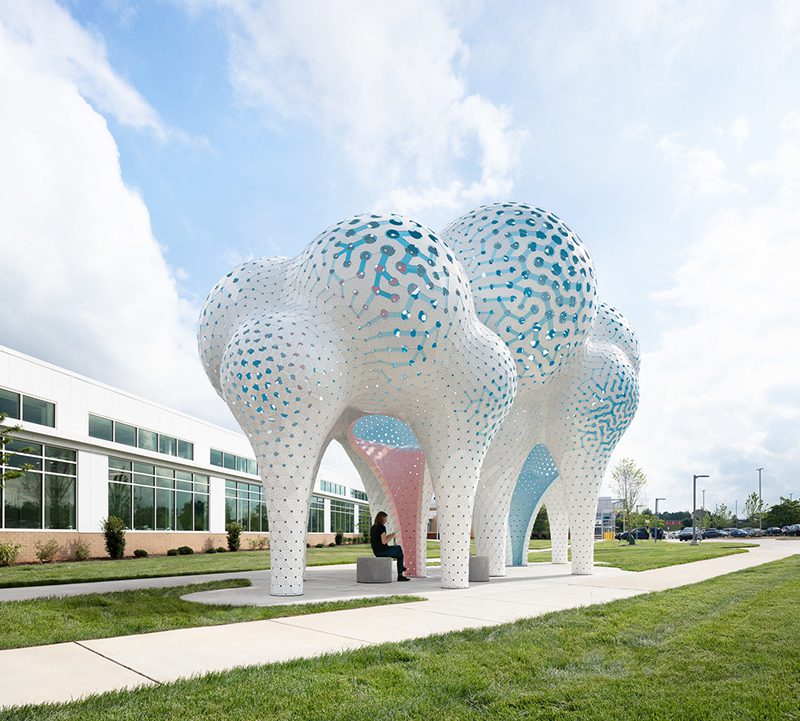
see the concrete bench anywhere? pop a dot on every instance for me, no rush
(374, 570)
(479, 568)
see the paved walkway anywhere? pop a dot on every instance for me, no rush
(66, 671)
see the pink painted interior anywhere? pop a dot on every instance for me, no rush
(402, 471)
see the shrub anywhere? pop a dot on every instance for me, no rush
(234, 531)
(9, 553)
(222, 549)
(46, 552)
(80, 550)
(308, 545)
(258, 544)
(331, 545)
(185, 550)
(140, 553)
(319, 545)
(114, 531)
(211, 550)
(338, 538)
(172, 552)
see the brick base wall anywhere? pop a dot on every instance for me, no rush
(153, 542)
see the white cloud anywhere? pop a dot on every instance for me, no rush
(736, 133)
(703, 174)
(721, 392)
(49, 40)
(85, 283)
(385, 83)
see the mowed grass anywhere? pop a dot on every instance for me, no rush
(722, 649)
(161, 566)
(646, 555)
(101, 615)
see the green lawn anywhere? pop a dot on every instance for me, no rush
(100, 615)
(646, 554)
(159, 566)
(718, 650)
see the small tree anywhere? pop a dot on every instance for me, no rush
(234, 531)
(629, 481)
(785, 513)
(114, 531)
(6, 438)
(753, 508)
(541, 526)
(721, 517)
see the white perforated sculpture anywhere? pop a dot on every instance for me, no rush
(534, 285)
(375, 316)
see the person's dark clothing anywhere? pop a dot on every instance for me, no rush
(375, 534)
(384, 550)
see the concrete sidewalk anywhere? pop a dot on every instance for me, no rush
(62, 672)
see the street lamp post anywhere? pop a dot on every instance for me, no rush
(760, 502)
(694, 507)
(736, 514)
(655, 532)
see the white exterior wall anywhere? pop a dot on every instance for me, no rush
(75, 397)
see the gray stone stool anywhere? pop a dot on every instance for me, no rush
(479, 568)
(379, 570)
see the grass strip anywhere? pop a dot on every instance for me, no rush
(162, 566)
(647, 555)
(102, 615)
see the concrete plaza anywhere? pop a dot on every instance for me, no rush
(66, 671)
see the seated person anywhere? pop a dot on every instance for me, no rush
(380, 544)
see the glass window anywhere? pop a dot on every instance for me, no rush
(364, 519)
(125, 434)
(342, 516)
(65, 454)
(200, 512)
(9, 403)
(143, 508)
(23, 501)
(216, 458)
(183, 502)
(165, 510)
(101, 428)
(118, 463)
(252, 467)
(32, 463)
(59, 467)
(38, 411)
(144, 468)
(186, 450)
(183, 475)
(230, 509)
(316, 516)
(168, 445)
(119, 502)
(148, 440)
(59, 502)
(143, 480)
(21, 446)
(229, 461)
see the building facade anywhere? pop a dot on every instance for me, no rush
(89, 451)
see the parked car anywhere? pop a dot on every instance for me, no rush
(774, 531)
(737, 533)
(714, 533)
(686, 534)
(793, 530)
(639, 534)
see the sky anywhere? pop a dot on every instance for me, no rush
(148, 147)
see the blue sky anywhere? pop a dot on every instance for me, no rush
(151, 145)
